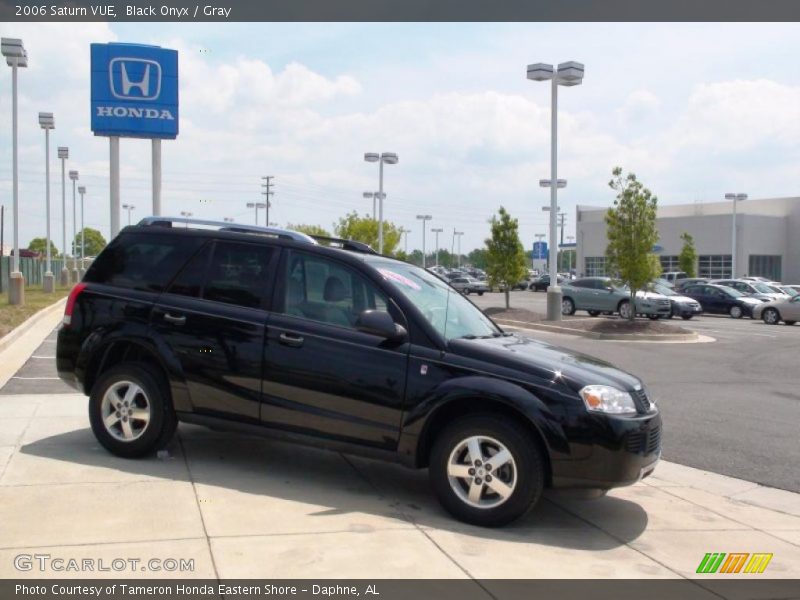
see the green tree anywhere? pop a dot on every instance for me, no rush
(688, 256)
(310, 229)
(40, 245)
(478, 258)
(94, 242)
(415, 257)
(505, 255)
(365, 230)
(632, 233)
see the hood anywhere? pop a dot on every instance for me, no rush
(540, 361)
(650, 295)
(683, 300)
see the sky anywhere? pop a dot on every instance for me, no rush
(695, 110)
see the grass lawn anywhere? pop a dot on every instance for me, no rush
(35, 300)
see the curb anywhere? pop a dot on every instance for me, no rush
(23, 328)
(648, 337)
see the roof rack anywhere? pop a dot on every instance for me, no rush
(345, 244)
(225, 226)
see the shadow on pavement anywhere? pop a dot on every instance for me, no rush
(329, 484)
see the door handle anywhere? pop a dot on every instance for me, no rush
(175, 320)
(295, 341)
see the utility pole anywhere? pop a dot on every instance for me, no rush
(437, 231)
(267, 192)
(561, 217)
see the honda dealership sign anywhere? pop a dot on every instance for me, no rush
(134, 91)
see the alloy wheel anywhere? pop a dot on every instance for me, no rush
(482, 472)
(125, 410)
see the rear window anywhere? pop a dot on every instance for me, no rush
(145, 262)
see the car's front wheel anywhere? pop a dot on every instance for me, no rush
(686, 317)
(567, 306)
(625, 309)
(480, 293)
(736, 312)
(130, 411)
(771, 316)
(466, 291)
(486, 470)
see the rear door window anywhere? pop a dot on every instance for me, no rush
(239, 273)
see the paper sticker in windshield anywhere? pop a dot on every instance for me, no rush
(401, 279)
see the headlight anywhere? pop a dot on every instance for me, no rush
(607, 399)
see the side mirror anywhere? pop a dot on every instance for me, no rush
(381, 324)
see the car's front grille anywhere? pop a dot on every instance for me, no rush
(643, 442)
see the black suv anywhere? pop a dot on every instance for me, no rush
(325, 342)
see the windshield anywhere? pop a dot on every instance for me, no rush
(791, 291)
(448, 311)
(731, 292)
(662, 289)
(763, 288)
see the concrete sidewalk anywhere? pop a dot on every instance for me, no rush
(244, 507)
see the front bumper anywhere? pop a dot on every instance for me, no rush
(684, 309)
(615, 452)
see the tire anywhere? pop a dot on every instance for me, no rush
(686, 317)
(770, 316)
(523, 473)
(480, 293)
(624, 309)
(736, 312)
(790, 322)
(567, 306)
(466, 291)
(593, 313)
(152, 400)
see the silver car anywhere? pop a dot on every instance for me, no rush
(467, 285)
(602, 294)
(776, 311)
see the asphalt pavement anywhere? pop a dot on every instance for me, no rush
(731, 406)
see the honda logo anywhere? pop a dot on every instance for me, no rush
(134, 78)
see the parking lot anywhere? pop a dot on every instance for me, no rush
(240, 507)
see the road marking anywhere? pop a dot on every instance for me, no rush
(37, 378)
(47, 357)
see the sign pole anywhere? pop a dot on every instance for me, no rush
(156, 177)
(114, 187)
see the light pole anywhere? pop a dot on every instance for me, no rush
(63, 154)
(16, 57)
(458, 234)
(256, 205)
(390, 158)
(437, 231)
(573, 254)
(82, 271)
(736, 198)
(73, 175)
(567, 74)
(404, 232)
(129, 208)
(47, 122)
(424, 219)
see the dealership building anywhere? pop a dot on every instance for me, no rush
(767, 238)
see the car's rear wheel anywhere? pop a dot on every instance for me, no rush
(593, 313)
(480, 293)
(486, 470)
(567, 306)
(130, 411)
(736, 312)
(770, 316)
(624, 309)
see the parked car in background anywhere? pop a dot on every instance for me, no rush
(790, 291)
(772, 313)
(796, 288)
(602, 294)
(682, 283)
(674, 276)
(467, 285)
(541, 284)
(682, 306)
(755, 289)
(722, 300)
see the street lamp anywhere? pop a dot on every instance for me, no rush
(736, 198)
(437, 231)
(129, 208)
(63, 154)
(73, 175)
(424, 219)
(567, 74)
(47, 122)
(82, 191)
(256, 205)
(16, 57)
(457, 234)
(389, 158)
(404, 232)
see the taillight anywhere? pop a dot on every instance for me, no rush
(73, 296)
